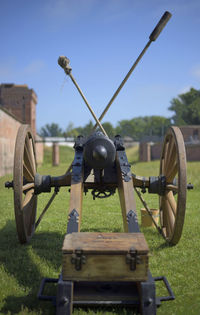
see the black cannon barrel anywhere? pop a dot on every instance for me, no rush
(99, 151)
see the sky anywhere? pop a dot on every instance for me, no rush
(102, 39)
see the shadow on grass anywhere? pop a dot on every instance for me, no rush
(155, 240)
(25, 263)
(163, 246)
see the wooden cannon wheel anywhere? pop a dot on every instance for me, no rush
(25, 202)
(173, 202)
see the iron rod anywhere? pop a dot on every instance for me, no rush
(64, 63)
(87, 104)
(156, 32)
(123, 82)
(148, 211)
(45, 209)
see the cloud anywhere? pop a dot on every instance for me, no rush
(62, 11)
(6, 68)
(196, 71)
(13, 71)
(34, 67)
(185, 89)
(67, 9)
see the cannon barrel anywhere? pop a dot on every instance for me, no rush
(99, 151)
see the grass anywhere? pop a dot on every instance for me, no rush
(23, 267)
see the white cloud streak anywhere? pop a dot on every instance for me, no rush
(12, 71)
(196, 71)
(34, 67)
(67, 9)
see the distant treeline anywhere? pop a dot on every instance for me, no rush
(186, 108)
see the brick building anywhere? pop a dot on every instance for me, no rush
(17, 106)
(8, 132)
(21, 102)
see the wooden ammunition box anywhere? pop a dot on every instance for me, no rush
(105, 257)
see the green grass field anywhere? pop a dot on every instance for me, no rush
(23, 267)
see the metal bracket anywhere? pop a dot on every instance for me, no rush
(79, 142)
(146, 298)
(78, 259)
(41, 295)
(171, 295)
(118, 142)
(77, 166)
(124, 166)
(132, 221)
(133, 259)
(72, 225)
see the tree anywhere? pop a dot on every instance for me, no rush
(125, 128)
(142, 126)
(187, 108)
(51, 130)
(156, 125)
(109, 129)
(71, 131)
(87, 129)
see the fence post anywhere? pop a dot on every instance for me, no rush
(55, 154)
(145, 152)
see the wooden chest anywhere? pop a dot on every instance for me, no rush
(105, 257)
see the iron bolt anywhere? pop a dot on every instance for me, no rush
(150, 301)
(64, 300)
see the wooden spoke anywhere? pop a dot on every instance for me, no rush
(162, 216)
(168, 218)
(32, 155)
(172, 173)
(162, 164)
(171, 158)
(28, 186)
(29, 215)
(173, 164)
(25, 202)
(27, 198)
(170, 215)
(28, 158)
(172, 202)
(172, 187)
(165, 154)
(27, 173)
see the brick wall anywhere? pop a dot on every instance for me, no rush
(21, 102)
(190, 132)
(9, 126)
(39, 147)
(192, 152)
(8, 132)
(145, 152)
(156, 150)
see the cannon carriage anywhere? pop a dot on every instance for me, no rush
(104, 268)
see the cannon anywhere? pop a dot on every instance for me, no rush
(103, 268)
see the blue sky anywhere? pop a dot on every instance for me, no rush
(102, 39)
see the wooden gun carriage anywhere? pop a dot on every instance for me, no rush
(104, 268)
